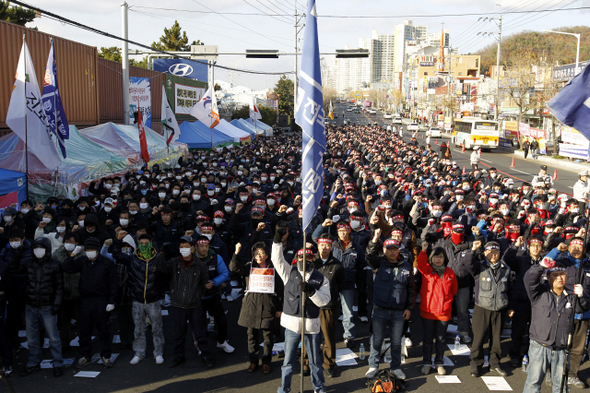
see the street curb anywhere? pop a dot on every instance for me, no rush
(564, 163)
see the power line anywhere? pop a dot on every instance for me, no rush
(266, 13)
(109, 35)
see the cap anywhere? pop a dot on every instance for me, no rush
(308, 252)
(211, 186)
(544, 167)
(108, 201)
(257, 209)
(187, 239)
(583, 173)
(11, 211)
(218, 213)
(391, 243)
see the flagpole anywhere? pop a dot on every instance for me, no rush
(26, 125)
(212, 93)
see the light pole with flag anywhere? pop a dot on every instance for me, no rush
(309, 115)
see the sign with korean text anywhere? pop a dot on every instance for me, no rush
(262, 280)
(140, 98)
(186, 97)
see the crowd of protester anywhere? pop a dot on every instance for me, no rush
(400, 225)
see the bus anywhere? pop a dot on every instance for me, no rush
(474, 131)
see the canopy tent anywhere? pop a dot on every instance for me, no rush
(268, 131)
(249, 128)
(259, 127)
(197, 135)
(13, 188)
(238, 135)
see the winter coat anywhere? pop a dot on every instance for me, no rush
(436, 293)
(98, 278)
(44, 277)
(187, 283)
(336, 275)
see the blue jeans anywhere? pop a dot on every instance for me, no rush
(540, 359)
(34, 317)
(347, 300)
(385, 322)
(462, 299)
(312, 346)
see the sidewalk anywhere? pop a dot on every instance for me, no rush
(558, 162)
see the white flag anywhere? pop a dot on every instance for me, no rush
(254, 112)
(206, 109)
(171, 130)
(25, 112)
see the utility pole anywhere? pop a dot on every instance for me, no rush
(125, 62)
(498, 55)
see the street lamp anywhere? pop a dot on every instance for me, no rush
(577, 50)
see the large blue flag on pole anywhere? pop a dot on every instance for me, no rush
(309, 114)
(572, 104)
(52, 105)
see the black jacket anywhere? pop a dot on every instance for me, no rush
(187, 284)
(44, 277)
(98, 279)
(144, 281)
(334, 272)
(550, 320)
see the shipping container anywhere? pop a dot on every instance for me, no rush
(76, 72)
(110, 90)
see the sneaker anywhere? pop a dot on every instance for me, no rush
(29, 370)
(7, 371)
(408, 342)
(58, 372)
(466, 339)
(425, 369)
(371, 372)
(159, 359)
(226, 347)
(399, 374)
(82, 362)
(107, 362)
(441, 370)
(364, 319)
(136, 359)
(576, 382)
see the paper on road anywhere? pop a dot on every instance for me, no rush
(463, 350)
(496, 383)
(346, 357)
(447, 379)
(87, 374)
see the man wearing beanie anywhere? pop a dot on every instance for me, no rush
(98, 293)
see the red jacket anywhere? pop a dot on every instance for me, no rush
(436, 294)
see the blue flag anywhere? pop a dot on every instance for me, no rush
(52, 105)
(572, 104)
(309, 114)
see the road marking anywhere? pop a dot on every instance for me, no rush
(484, 160)
(519, 171)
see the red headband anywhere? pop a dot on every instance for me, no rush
(343, 226)
(206, 228)
(577, 242)
(390, 242)
(458, 226)
(539, 241)
(398, 217)
(308, 252)
(203, 241)
(325, 241)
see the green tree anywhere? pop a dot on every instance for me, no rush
(139, 63)
(18, 15)
(269, 115)
(174, 39)
(285, 88)
(112, 53)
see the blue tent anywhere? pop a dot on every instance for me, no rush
(12, 182)
(197, 135)
(245, 126)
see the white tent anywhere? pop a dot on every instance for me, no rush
(238, 135)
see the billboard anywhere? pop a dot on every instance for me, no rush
(183, 94)
(140, 97)
(197, 70)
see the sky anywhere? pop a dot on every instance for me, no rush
(237, 25)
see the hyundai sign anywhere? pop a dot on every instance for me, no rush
(191, 69)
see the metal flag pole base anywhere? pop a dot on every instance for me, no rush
(6, 382)
(303, 298)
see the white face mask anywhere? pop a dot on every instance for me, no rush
(218, 221)
(175, 192)
(15, 244)
(196, 197)
(144, 205)
(263, 179)
(108, 209)
(227, 209)
(460, 197)
(185, 252)
(354, 224)
(217, 189)
(91, 254)
(272, 178)
(167, 185)
(223, 184)
(203, 179)
(25, 211)
(575, 210)
(46, 220)
(124, 222)
(39, 252)
(7, 218)
(210, 192)
(60, 229)
(133, 212)
(208, 235)
(493, 200)
(505, 212)
(161, 195)
(69, 247)
(81, 224)
(243, 198)
(108, 186)
(437, 213)
(270, 202)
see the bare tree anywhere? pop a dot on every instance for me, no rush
(519, 82)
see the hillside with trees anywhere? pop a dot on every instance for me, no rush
(543, 48)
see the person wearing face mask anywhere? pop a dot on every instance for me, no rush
(301, 280)
(438, 288)
(261, 307)
(166, 231)
(146, 288)
(98, 293)
(13, 284)
(161, 197)
(83, 206)
(29, 217)
(189, 280)
(457, 249)
(10, 219)
(109, 212)
(44, 291)
(520, 262)
(271, 203)
(493, 302)
(215, 241)
(92, 228)
(249, 230)
(56, 237)
(198, 202)
(393, 301)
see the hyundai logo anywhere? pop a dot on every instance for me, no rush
(180, 69)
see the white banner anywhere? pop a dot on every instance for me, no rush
(262, 280)
(186, 97)
(573, 151)
(572, 136)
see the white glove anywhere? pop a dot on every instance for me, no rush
(110, 307)
(214, 202)
(336, 218)
(578, 290)
(77, 250)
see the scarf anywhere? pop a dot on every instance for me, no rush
(440, 270)
(146, 252)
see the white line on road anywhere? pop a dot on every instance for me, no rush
(525, 173)
(484, 160)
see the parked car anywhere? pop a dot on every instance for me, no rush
(397, 120)
(434, 132)
(387, 115)
(413, 127)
